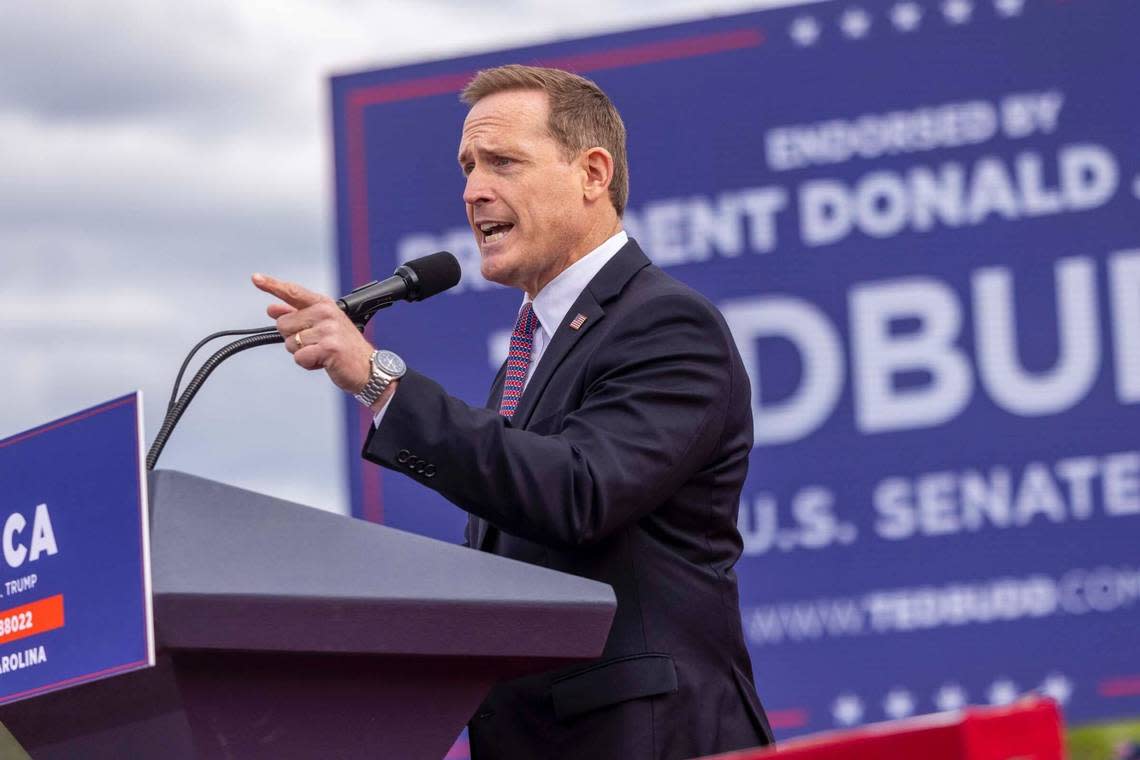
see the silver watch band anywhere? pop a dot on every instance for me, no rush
(377, 383)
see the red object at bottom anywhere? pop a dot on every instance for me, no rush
(1027, 730)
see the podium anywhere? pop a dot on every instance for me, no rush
(288, 632)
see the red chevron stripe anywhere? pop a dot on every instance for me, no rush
(518, 360)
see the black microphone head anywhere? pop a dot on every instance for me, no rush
(430, 274)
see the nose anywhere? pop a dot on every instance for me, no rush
(478, 189)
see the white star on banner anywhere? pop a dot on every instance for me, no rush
(855, 23)
(1009, 8)
(898, 704)
(957, 11)
(1057, 687)
(804, 31)
(950, 697)
(1002, 692)
(847, 709)
(905, 16)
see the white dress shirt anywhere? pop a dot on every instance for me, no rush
(553, 302)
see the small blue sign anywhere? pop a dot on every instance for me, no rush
(75, 599)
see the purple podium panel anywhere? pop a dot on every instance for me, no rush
(289, 632)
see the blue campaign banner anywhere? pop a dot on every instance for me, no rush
(76, 570)
(922, 222)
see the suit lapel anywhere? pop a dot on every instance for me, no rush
(564, 339)
(496, 395)
(606, 284)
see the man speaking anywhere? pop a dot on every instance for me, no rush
(615, 442)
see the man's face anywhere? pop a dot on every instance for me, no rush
(524, 200)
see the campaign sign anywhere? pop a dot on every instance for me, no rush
(921, 220)
(75, 600)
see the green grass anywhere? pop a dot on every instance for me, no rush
(1100, 741)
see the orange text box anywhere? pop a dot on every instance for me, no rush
(31, 619)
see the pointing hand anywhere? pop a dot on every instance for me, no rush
(318, 334)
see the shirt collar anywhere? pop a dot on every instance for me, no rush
(554, 301)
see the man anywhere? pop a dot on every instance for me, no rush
(615, 445)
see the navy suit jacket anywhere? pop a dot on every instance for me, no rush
(623, 463)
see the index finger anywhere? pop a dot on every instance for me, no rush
(289, 292)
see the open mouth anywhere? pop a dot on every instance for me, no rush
(493, 232)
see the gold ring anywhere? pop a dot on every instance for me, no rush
(297, 336)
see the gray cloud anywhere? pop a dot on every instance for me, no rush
(83, 60)
(155, 153)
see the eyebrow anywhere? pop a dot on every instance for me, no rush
(485, 150)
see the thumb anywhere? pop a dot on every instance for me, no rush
(278, 310)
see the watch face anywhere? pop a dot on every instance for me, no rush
(390, 364)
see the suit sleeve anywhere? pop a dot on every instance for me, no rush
(652, 414)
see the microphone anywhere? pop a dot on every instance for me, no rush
(414, 281)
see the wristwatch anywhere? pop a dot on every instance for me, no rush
(386, 367)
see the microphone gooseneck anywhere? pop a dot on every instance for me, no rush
(175, 412)
(414, 281)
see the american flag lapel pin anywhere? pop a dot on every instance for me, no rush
(577, 322)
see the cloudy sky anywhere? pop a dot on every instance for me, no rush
(154, 153)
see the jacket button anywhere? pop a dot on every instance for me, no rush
(429, 471)
(403, 456)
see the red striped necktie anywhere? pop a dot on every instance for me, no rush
(518, 360)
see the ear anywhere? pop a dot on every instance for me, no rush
(597, 173)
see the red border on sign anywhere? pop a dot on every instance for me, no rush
(795, 717)
(1121, 686)
(67, 421)
(76, 680)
